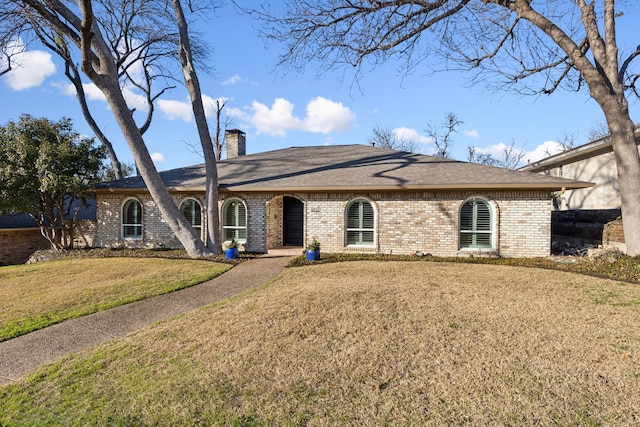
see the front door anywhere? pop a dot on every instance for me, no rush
(293, 221)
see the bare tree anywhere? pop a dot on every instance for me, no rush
(84, 25)
(386, 138)
(56, 44)
(211, 171)
(518, 45)
(597, 131)
(510, 157)
(219, 140)
(476, 156)
(442, 134)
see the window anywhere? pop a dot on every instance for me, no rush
(132, 220)
(360, 223)
(476, 225)
(234, 221)
(191, 210)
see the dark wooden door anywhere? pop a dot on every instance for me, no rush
(293, 221)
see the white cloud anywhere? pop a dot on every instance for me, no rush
(326, 116)
(175, 110)
(275, 120)
(496, 150)
(135, 100)
(546, 149)
(210, 105)
(472, 133)
(411, 135)
(30, 67)
(235, 79)
(322, 116)
(238, 114)
(92, 92)
(157, 157)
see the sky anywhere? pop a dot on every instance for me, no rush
(280, 109)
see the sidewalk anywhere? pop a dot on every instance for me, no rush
(22, 355)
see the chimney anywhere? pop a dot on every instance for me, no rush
(236, 143)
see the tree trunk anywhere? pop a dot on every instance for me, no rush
(183, 231)
(211, 170)
(625, 151)
(80, 95)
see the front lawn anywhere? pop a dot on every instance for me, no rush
(365, 343)
(38, 295)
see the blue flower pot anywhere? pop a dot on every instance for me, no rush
(313, 255)
(231, 253)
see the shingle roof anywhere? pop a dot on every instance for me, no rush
(347, 168)
(18, 220)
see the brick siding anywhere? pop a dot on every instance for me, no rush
(407, 223)
(16, 246)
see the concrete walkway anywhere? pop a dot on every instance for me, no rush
(23, 355)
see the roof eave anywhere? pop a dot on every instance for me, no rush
(363, 188)
(431, 187)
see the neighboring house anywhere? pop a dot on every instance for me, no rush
(20, 234)
(582, 212)
(19, 237)
(352, 198)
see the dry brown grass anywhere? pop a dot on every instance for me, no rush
(369, 343)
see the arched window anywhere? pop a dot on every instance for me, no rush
(191, 210)
(234, 221)
(476, 224)
(360, 218)
(132, 219)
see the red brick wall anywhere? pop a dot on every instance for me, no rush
(17, 245)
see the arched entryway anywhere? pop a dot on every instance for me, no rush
(293, 222)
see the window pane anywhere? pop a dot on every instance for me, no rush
(230, 214)
(132, 212)
(466, 240)
(367, 237)
(353, 216)
(466, 217)
(242, 215)
(483, 240)
(353, 237)
(367, 216)
(483, 217)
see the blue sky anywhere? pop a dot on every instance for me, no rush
(281, 110)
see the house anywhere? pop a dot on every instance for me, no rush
(581, 214)
(20, 234)
(19, 237)
(353, 198)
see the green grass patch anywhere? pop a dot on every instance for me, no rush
(38, 295)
